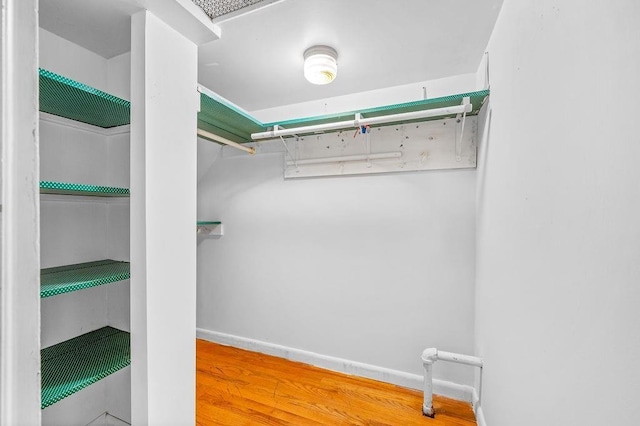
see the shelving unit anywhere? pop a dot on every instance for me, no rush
(221, 117)
(74, 364)
(70, 99)
(212, 229)
(65, 279)
(78, 189)
(71, 366)
(476, 100)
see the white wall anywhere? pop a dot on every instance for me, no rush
(558, 206)
(72, 61)
(370, 99)
(163, 212)
(371, 269)
(119, 76)
(19, 205)
(75, 62)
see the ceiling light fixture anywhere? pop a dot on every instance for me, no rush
(320, 66)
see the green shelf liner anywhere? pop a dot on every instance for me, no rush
(71, 366)
(222, 119)
(68, 278)
(208, 223)
(476, 99)
(70, 99)
(49, 187)
(228, 121)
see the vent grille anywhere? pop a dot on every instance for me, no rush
(216, 8)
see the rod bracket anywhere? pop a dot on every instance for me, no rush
(430, 355)
(356, 121)
(466, 101)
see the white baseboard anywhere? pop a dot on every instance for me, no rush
(400, 378)
(480, 416)
(477, 408)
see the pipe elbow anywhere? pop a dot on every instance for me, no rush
(430, 355)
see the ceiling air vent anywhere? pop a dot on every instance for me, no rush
(217, 8)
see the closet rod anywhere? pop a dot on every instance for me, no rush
(357, 122)
(225, 141)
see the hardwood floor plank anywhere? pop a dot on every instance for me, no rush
(238, 387)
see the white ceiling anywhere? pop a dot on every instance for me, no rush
(257, 63)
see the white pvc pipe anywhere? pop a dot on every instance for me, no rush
(460, 359)
(431, 355)
(345, 158)
(277, 131)
(225, 141)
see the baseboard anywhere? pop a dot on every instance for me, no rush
(400, 378)
(477, 408)
(480, 416)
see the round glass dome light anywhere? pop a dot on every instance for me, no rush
(320, 66)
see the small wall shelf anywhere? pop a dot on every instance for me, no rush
(67, 98)
(65, 279)
(71, 366)
(211, 229)
(61, 188)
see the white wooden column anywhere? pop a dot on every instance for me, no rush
(20, 284)
(164, 106)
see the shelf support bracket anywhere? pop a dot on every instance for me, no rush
(208, 135)
(465, 101)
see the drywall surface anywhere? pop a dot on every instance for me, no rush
(72, 61)
(370, 99)
(19, 205)
(73, 154)
(558, 235)
(119, 75)
(163, 240)
(371, 269)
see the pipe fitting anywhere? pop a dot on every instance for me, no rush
(428, 411)
(429, 355)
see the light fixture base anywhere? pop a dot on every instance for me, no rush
(320, 64)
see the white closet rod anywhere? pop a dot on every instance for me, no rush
(225, 141)
(357, 122)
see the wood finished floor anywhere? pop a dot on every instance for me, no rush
(238, 387)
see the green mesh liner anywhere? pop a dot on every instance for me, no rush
(218, 117)
(71, 366)
(49, 187)
(224, 120)
(65, 279)
(476, 99)
(70, 99)
(208, 223)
